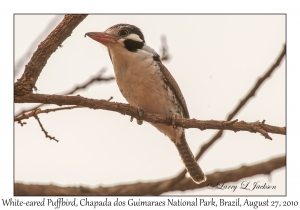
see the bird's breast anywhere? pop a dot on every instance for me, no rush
(141, 82)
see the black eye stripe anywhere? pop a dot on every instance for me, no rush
(132, 45)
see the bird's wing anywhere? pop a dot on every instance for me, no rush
(174, 86)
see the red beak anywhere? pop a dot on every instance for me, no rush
(101, 37)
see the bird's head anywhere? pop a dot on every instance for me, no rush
(126, 35)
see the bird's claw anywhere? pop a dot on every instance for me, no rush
(141, 114)
(173, 121)
(139, 122)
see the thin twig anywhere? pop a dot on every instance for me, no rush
(98, 77)
(164, 49)
(110, 98)
(35, 112)
(43, 129)
(20, 122)
(28, 110)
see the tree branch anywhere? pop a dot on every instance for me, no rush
(96, 78)
(153, 188)
(21, 62)
(258, 84)
(43, 129)
(242, 103)
(149, 117)
(40, 111)
(26, 83)
(165, 56)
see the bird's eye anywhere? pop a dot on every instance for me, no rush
(123, 32)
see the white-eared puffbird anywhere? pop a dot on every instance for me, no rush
(148, 85)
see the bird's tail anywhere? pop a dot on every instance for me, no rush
(189, 161)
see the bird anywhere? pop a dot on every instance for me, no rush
(148, 85)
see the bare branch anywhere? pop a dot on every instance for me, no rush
(44, 33)
(26, 83)
(20, 122)
(273, 129)
(149, 117)
(153, 188)
(110, 98)
(164, 49)
(258, 84)
(28, 110)
(251, 93)
(35, 112)
(96, 78)
(43, 129)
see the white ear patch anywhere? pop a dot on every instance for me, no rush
(134, 37)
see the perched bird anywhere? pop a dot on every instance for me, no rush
(148, 85)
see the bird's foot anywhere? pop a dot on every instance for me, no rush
(139, 122)
(173, 121)
(141, 112)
